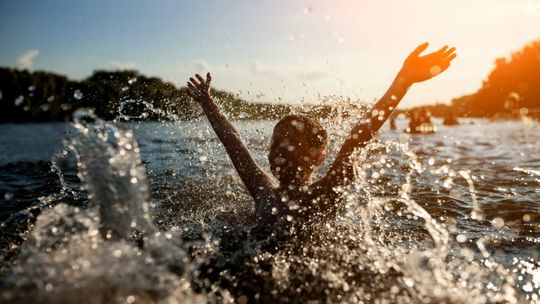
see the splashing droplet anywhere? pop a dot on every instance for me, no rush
(19, 100)
(497, 223)
(78, 95)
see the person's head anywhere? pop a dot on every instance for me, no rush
(298, 146)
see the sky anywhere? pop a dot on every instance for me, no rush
(269, 50)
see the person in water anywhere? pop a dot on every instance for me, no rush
(289, 201)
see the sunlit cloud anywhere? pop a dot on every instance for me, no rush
(257, 68)
(122, 65)
(202, 66)
(281, 72)
(26, 60)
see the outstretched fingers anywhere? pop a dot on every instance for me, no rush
(194, 82)
(449, 55)
(444, 55)
(449, 51)
(197, 86)
(442, 50)
(201, 80)
(419, 49)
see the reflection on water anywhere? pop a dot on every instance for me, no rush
(450, 217)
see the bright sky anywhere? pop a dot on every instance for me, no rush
(269, 50)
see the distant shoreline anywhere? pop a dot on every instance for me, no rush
(511, 90)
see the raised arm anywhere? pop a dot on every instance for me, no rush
(256, 181)
(415, 69)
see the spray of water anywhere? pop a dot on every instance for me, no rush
(383, 246)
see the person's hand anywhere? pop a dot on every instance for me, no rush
(420, 68)
(198, 88)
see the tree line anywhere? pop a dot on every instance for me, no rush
(512, 86)
(44, 96)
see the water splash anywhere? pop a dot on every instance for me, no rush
(384, 246)
(111, 171)
(110, 251)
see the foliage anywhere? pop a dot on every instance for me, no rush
(43, 96)
(513, 84)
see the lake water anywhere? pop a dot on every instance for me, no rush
(447, 217)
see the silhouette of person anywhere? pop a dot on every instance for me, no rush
(288, 202)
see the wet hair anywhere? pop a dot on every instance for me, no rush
(290, 133)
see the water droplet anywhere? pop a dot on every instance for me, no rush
(467, 253)
(497, 223)
(408, 281)
(293, 205)
(19, 100)
(8, 196)
(528, 287)
(461, 238)
(77, 94)
(49, 287)
(65, 106)
(242, 299)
